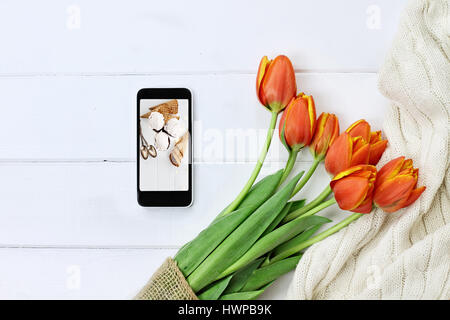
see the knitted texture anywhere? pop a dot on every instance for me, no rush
(406, 254)
(167, 283)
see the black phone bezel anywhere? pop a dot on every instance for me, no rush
(164, 198)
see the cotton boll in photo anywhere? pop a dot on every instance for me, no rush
(156, 121)
(162, 141)
(175, 128)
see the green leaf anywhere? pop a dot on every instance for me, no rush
(240, 277)
(274, 239)
(247, 295)
(278, 219)
(193, 253)
(283, 138)
(260, 192)
(214, 290)
(289, 248)
(241, 239)
(265, 275)
(297, 204)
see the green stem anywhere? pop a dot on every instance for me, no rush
(319, 237)
(331, 230)
(320, 207)
(257, 168)
(319, 199)
(289, 164)
(306, 177)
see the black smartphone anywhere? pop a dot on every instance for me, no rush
(164, 147)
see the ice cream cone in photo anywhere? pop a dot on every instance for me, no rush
(168, 116)
(178, 150)
(146, 115)
(169, 107)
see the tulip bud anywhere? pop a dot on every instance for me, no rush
(353, 188)
(395, 187)
(275, 83)
(298, 122)
(346, 152)
(327, 130)
(361, 128)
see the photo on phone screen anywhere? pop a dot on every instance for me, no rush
(164, 150)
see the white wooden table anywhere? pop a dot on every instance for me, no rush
(70, 226)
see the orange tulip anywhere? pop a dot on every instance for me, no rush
(353, 188)
(275, 83)
(361, 128)
(395, 187)
(298, 122)
(346, 152)
(327, 130)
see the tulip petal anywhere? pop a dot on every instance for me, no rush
(333, 126)
(326, 132)
(358, 143)
(375, 136)
(299, 126)
(350, 192)
(349, 171)
(407, 164)
(312, 117)
(389, 170)
(413, 196)
(361, 156)
(376, 151)
(263, 65)
(321, 123)
(393, 193)
(360, 128)
(320, 141)
(339, 154)
(278, 86)
(365, 206)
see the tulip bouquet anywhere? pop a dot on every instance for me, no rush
(262, 234)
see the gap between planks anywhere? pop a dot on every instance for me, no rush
(86, 247)
(88, 161)
(175, 73)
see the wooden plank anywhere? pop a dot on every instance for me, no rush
(193, 36)
(75, 273)
(93, 118)
(94, 204)
(87, 273)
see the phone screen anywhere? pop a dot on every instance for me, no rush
(164, 149)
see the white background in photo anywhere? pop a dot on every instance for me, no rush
(159, 174)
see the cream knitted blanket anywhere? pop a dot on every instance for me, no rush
(403, 255)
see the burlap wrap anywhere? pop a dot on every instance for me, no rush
(167, 283)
